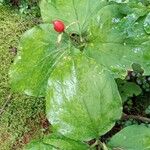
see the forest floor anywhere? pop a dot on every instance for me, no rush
(22, 118)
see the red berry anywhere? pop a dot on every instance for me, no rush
(58, 26)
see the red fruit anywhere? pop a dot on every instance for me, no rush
(58, 26)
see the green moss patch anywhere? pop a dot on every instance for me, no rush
(21, 118)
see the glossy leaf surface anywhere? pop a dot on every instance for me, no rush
(82, 99)
(37, 56)
(79, 11)
(57, 141)
(118, 38)
(135, 137)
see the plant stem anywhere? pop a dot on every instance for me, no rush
(139, 118)
(94, 144)
(97, 143)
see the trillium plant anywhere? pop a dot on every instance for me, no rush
(73, 59)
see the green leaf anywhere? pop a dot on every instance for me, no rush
(39, 145)
(132, 3)
(82, 99)
(135, 137)
(57, 141)
(128, 89)
(131, 89)
(80, 11)
(147, 24)
(118, 39)
(119, 1)
(37, 57)
(65, 143)
(137, 68)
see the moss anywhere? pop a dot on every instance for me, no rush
(21, 114)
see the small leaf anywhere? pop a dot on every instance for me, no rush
(137, 68)
(82, 99)
(37, 56)
(57, 141)
(128, 89)
(135, 137)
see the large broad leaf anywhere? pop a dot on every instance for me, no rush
(80, 11)
(65, 143)
(82, 99)
(118, 39)
(135, 137)
(37, 56)
(55, 142)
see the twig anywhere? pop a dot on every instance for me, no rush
(5, 104)
(139, 118)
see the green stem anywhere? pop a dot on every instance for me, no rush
(94, 144)
(97, 143)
